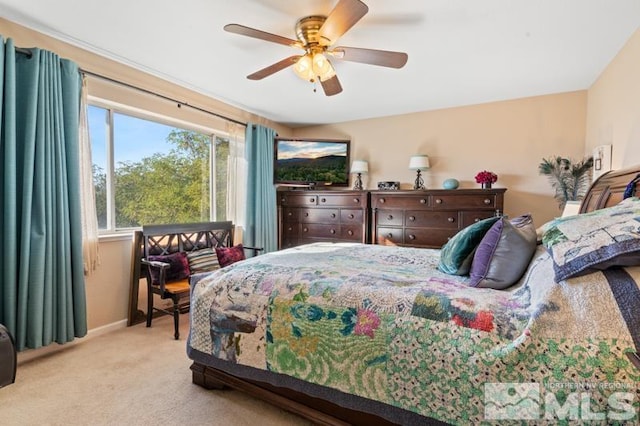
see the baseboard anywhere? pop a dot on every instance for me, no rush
(31, 354)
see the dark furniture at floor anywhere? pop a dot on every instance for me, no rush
(605, 192)
(429, 218)
(168, 239)
(8, 357)
(312, 216)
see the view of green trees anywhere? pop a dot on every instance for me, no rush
(168, 187)
(330, 168)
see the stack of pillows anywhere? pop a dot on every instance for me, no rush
(183, 265)
(494, 252)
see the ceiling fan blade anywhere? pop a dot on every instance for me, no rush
(331, 86)
(383, 58)
(262, 35)
(340, 20)
(274, 68)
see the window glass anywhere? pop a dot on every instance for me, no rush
(160, 173)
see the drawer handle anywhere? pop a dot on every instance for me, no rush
(333, 215)
(477, 219)
(306, 214)
(290, 214)
(333, 231)
(390, 235)
(390, 217)
(323, 200)
(282, 200)
(351, 216)
(450, 219)
(305, 229)
(382, 200)
(412, 237)
(412, 218)
(487, 201)
(290, 229)
(356, 200)
(438, 200)
(423, 201)
(350, 232)
(312, 200)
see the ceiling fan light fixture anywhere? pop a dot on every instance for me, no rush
(322, 67)
(304, 68)
(314, 66)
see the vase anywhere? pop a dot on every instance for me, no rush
(486, 185)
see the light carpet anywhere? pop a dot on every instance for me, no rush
(131, 376)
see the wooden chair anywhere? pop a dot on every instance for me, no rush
(162, 240)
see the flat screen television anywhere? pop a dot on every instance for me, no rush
(311, 162)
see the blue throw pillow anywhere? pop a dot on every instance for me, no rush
(456, 255)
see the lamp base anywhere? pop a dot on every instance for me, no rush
(419, 183)
(357, 185)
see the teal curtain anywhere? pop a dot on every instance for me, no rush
(42, 293)
(261, 227)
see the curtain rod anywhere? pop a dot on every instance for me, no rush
(149, 92)
(166, 98)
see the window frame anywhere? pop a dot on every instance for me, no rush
(115, 107)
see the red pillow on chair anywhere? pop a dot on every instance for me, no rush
(229, 255)
(178, 267)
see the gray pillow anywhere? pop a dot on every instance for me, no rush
(504, 253)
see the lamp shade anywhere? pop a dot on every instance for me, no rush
(419, 162)
(359, 166)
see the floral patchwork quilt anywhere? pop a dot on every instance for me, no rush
(383, 323)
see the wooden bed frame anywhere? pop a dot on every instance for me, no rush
(607, 191)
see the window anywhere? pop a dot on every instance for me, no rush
(146, 171)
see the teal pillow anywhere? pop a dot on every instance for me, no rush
(456, 255)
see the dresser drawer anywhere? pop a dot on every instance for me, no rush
(319, 230)
(319, 215)
(290, 214)
(471, 217)
(298, 200)
(431, 219)
(289, 242)
(290, 230)
(464, 201)
(352, 233)
(427, 237)
(343, 200)
(389, 236)
(390, 217)
(351, 216)
(399, 201)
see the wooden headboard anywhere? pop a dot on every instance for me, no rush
(608, 189)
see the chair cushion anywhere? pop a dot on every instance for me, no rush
(204, 260)
(504, 253)
(456, 255)
(178, 267)
(178, 287)
(229, 255)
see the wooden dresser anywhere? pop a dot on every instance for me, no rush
(429, 218)
(306, 216)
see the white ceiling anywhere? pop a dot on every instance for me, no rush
(461, 52)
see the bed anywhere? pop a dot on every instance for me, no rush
(368, 334)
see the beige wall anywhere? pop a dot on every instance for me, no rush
(613, 112)
(509, 138)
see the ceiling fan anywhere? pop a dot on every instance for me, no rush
(316, 36)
